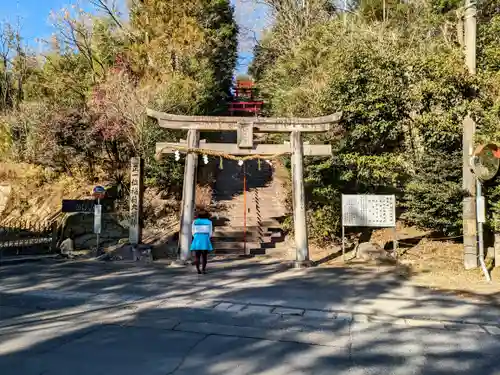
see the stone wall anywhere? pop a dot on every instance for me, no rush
(81, 225)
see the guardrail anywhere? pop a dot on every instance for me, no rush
(24, 237)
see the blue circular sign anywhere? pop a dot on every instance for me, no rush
(99, 190)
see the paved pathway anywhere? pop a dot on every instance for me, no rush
(243, 318)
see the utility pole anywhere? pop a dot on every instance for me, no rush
(469, 129)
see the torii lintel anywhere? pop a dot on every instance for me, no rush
(260, 124)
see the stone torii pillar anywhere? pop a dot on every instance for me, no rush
(245, 127)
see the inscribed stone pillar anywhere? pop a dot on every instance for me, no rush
(188, 198)
(136, 198)
(299, 200)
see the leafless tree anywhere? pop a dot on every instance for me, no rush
(74, 33)
(109, 8)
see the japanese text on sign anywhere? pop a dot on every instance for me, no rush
(369, 211)
(135, 197)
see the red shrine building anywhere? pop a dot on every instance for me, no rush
(245, 101)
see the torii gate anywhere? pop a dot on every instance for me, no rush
(246, 126)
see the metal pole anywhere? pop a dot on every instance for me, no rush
(343, 242)
(480, 206)
(244, 208)
(395, 242)
(98, 233)
(469, 128)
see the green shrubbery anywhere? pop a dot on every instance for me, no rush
(403, 89)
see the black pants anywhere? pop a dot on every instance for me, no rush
(203, 254)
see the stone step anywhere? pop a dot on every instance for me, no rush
(239, 199)
(239, 237)
(235, 251)
(238, 233)
(239, 202)
(264, 251)
(270, 220)
(240, 250)
(227, 188)
(250, 238)
(237, 214)
(238, 206)
(235, 245)
(266, 224)
(264, 208)
(238, 209)
(264, 241)
(272, 217)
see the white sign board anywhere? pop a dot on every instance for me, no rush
(97, 218)
(369, 211)
(481, 210)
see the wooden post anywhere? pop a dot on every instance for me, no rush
(136, 194)
(188, 198)
(299, 201)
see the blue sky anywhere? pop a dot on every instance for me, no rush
(33, 16)
(34, 19)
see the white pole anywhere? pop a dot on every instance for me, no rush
(343, 243)
(480, 219)
(99, 231)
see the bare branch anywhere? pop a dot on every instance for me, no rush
(107, 9)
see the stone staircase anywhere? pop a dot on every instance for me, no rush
(264, 208)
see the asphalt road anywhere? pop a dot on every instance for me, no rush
(245, 318)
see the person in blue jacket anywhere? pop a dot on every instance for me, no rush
(201, 245)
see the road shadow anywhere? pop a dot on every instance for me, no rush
(163, 338)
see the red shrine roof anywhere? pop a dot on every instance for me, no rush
(244, 98)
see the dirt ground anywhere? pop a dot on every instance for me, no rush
(430, 263)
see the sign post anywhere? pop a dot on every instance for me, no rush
(85, 206)
(369, 211)
(98, 192)
(97, 222)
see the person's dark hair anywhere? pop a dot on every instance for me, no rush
(203, 215)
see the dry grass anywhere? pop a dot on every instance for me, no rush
(439, 265)
(433, 264)
(37, 192)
